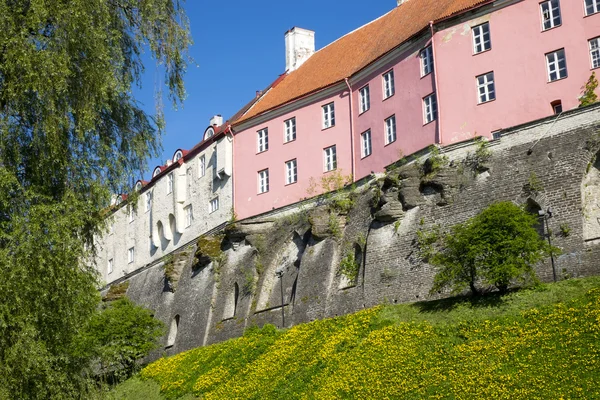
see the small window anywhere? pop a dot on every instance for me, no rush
(111, 265)
(213, 205)
(329, 159)
(130, 214)
(366, 143)
(595, 52)
(388, 84)
(364, 102)
(328, 115)
(263, 181)
(262, 139)
(202, 166)
(290, 130)
(138, 186)
(390, 130)
(170, 183)
(178, 155)
(156, 172)
(131, 255)
(148, 201)
(496, 135)
(209, 133)
(189, 216)
(557, 106)
(429, 108)
(592, 6)
(550, 14)
(426, 61)
(557, 65)
(291, 172)
(486, 90)
(481, 38)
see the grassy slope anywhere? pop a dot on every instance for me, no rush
(542, 343)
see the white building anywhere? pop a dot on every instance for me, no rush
(188, 196)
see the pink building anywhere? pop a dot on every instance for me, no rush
(429, 71)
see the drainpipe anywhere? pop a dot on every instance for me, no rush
(351, 130)
(435, 81)
(232, 167)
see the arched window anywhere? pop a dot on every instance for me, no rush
(173, 331)
(138, 186)
(208, 133)
(177, 156)
(156, 172)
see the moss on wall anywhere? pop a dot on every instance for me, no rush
(116, 292)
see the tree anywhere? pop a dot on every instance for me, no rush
(498, 246)
(118, 336)
(70, 134)
(589, 93)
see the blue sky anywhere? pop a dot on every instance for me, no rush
(239, 49)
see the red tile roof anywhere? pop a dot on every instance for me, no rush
(356, 50)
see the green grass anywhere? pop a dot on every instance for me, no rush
(531, 344)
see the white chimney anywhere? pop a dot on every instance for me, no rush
(217, 120)
(398, 2)
(299, 46)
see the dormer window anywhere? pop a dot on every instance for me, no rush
(156, 172)
(209, 133)
(178, 155)
(138, 186)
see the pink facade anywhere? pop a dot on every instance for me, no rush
(517, 58)
(306, 149)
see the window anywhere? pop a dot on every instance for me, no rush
(328, 116)
(595, 52)
(290, 130)
(131, 255)
(486, 90)
(364, 100)
(170, 183)
(388, 84)
(330, 158)
(263, 140)
(213, 205)
(592, 6)
(111, 265)
(426, 61)
(430, 108)
(130, 214)
(148, 201)
(557, 65)
(178, 155)
(556, 106)
(390, 130)
(189, 216)
(291, 172)
(263, 181)
(550, 14)
(481, 38)
(366, 143)
(202, 166)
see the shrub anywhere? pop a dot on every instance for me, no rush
(589, 93)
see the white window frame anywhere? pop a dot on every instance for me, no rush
(263, 181)
(289, 128)
(189, 216)
(426, 56)
(291, 171)
(213, 205)
(329, 158)
(553, 66)
(593, 5)
(595, 52)
(364, 99)
(486, 87)
(262, 140)
(480, 42)
(366, 147)
(557, 108)
(131, 255)
(390, 129)
(148, 201)
(328, 115)
(130, 214)
(111, 265)
(388, 84)
(202, 165)
(550, 13)
(170, 179)
(429, 108)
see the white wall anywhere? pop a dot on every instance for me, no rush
(169, 210)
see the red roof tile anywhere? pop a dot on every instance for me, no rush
(356, 50)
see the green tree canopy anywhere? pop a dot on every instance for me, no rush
(71, 133)
(496, 247)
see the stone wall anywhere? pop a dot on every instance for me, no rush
(239, 278)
